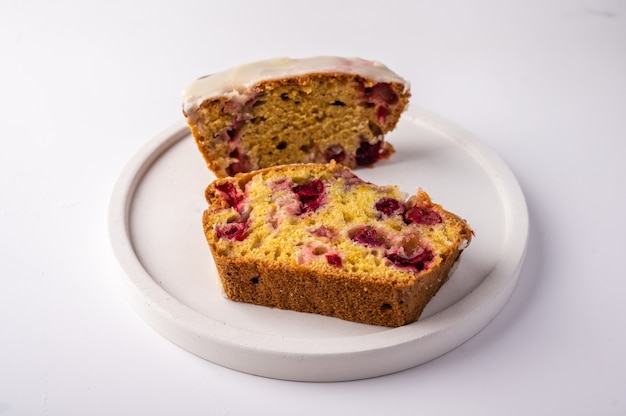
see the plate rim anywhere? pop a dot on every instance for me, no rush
(298, 358)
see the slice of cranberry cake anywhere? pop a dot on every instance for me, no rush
(284, 111)
(316, 238)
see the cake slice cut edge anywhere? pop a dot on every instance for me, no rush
(316, 238)
(283, 111)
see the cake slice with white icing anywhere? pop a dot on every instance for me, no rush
(284, 111)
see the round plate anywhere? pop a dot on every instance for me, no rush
(156, 234)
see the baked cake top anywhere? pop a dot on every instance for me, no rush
(234, 82)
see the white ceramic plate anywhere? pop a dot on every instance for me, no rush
(156, 235)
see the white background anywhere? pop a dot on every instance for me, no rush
(83, 85)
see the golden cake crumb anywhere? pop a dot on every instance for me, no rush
(316, 238)
(337, 111)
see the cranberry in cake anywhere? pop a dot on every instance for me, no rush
(316, 238)
(284, 111)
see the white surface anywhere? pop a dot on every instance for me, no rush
(171, 279)
(84, 84)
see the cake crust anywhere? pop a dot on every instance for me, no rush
(331, 294)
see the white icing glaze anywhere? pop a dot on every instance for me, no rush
(234, 82)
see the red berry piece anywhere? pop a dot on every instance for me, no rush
(384, 93)
(235, 128)
(336, 153)
(334, 260)
(369, 237)
(381, 114)
(310, 195)
(423, 216)
(242, 164)
(381, 92)
(232, 231)
(416, 262)
(228, 191)
(389, 206)
(368, 154)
